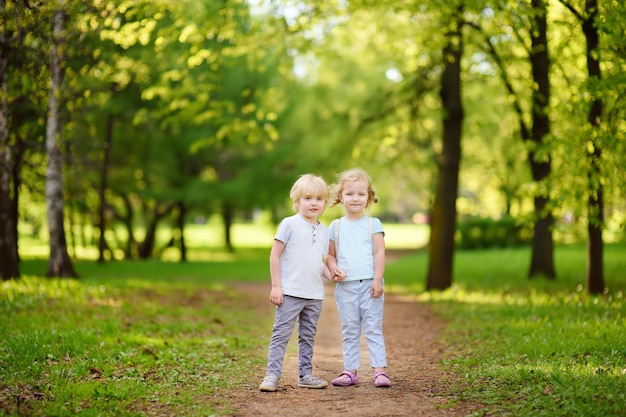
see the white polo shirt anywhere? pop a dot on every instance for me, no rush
(302, 261)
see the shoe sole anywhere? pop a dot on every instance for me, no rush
(313, 386)
(267, 389)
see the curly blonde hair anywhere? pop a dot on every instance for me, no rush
(348, 177)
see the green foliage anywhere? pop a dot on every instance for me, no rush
(484, 233)
(227, 103)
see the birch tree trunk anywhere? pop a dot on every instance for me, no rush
(59, 263)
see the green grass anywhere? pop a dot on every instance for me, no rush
(530, 347)
(204, 242)
(244, 265)
(149, 342)
(495, 271)
(540, 355)
(162, 337)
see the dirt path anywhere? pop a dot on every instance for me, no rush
(418, 381)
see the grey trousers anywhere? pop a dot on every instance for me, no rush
(307, 313)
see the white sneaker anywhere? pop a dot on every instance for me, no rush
(269, 384)
(310, 381)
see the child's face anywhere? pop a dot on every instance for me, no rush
(355, 196)
(311, 207)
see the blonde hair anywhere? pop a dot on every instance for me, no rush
(309, 185)
(351, 176)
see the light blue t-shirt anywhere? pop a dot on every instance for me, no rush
(302, 260)
(355, 249)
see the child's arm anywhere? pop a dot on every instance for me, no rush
(327, 274)
(337, 273)
(378, 240)
(276, 293)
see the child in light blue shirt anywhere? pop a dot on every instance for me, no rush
(356, 260)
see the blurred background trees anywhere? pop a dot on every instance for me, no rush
(173, 112)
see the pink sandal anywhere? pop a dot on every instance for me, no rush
(381, 379)
(345, 379)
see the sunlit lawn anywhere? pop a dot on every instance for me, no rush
(531, 347)
(126, 340)
(203, 241)
(131, 336)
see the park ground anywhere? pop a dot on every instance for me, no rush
(420, 386)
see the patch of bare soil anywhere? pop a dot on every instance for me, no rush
(413, 353)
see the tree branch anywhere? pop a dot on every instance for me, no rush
(525, 131)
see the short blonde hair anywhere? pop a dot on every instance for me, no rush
(309, 185)
(348, 177)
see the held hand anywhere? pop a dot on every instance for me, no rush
(276, 296)
(376, 289)
(338, 278)
(338, 274)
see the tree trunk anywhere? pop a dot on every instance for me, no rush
(542, 261)
(18, 151)
(182, 212)
(228, 216)
(104, 172)
(595, 201)
(131, 244)
(443, 223)
(9, 261)
(59, 263)
(147, 246)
